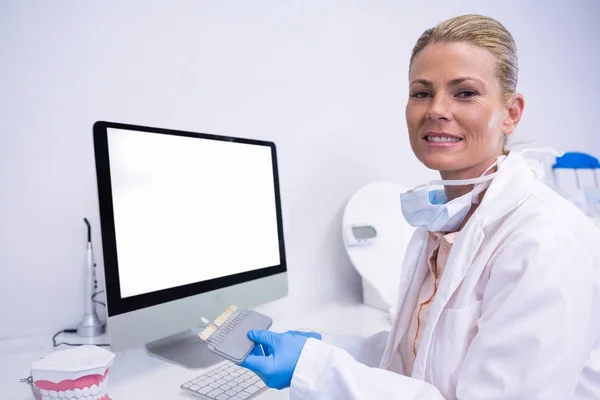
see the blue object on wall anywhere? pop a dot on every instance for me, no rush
(575, 160)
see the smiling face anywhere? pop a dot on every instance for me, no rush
(457, 113)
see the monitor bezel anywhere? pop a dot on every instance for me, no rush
(117, 305)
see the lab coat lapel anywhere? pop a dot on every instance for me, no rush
(460, 259)
(414, 269)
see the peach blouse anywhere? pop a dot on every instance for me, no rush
(439, 245)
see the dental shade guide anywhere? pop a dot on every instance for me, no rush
(228, 336)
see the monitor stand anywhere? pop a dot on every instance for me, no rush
(184, 349)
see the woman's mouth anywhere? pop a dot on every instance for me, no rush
(442, 139)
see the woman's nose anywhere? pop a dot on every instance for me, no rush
(439, 109)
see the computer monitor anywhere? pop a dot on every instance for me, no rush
(191, 223)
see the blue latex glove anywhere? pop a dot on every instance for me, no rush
(260, 350)
(275, 356)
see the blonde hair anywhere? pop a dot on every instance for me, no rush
(481, 31)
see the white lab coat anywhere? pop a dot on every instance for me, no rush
(516, 314)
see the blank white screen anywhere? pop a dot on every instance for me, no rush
(187, 210)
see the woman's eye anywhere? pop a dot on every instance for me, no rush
(467, 93)
(420, 95)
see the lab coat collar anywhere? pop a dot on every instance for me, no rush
(507, 191)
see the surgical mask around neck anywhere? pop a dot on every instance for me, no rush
(427, 206)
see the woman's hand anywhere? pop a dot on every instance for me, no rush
(275, 356)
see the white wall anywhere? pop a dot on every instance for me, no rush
(325, 80)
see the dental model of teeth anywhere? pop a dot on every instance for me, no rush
(79, 373)
(220, 320)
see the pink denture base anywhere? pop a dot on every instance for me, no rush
(70, 384)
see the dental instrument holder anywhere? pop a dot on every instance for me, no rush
(90, 326)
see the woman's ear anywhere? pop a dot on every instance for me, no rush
(515, 107)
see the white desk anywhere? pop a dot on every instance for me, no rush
(136, 375)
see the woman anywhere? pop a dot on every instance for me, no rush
(500, 288)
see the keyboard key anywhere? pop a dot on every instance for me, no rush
(194, 387)
(260, 384)
(244, 385)
(205, 390)
(214, 393)
(221, 381)
(243, 395)
(214, 385)
(187, 385)
(226, 387)
(231, 392)
(252, 389)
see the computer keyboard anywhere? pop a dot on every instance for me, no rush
(227, 381)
